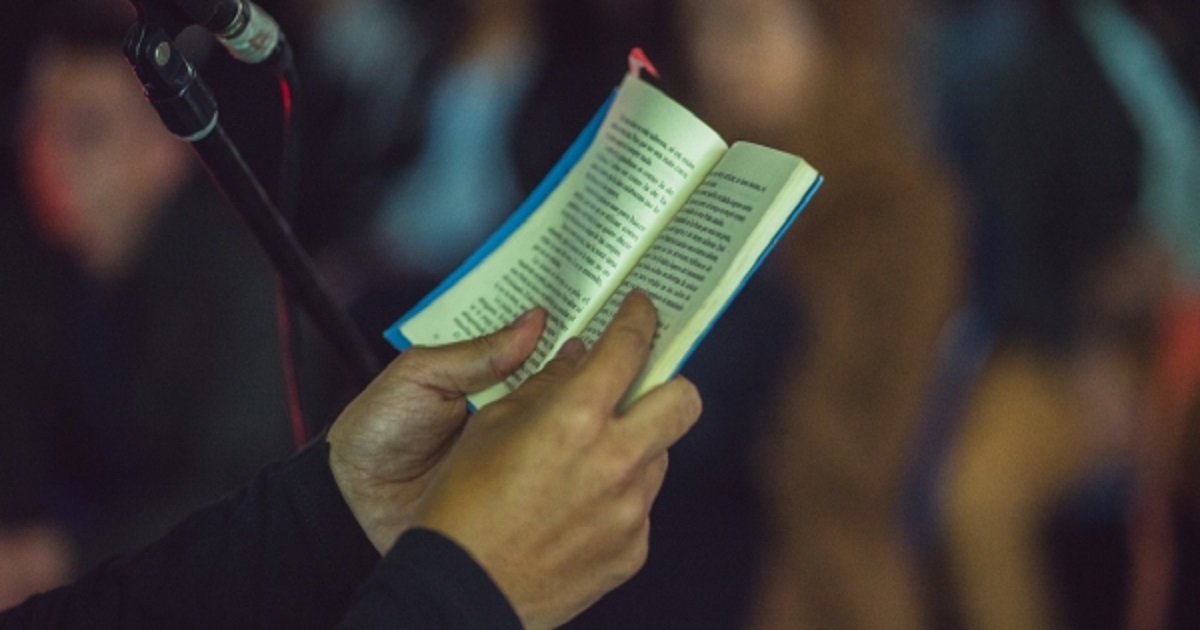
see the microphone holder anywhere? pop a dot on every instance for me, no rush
(188, 110)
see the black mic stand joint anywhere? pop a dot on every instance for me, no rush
(183, 101)
(188, 110)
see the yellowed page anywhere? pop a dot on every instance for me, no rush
(578, 245)
(704, 254)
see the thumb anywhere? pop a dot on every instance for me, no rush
(470, 366)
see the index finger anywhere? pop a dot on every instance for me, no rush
(620, 353)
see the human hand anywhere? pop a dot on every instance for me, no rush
(388, 440)
(550, 488)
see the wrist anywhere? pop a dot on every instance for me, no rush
(382, 510)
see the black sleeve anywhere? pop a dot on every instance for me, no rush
(285, 552)
(426, 581)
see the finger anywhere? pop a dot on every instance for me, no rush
(658, 419)
(564, 364)
(621, 351)
(470, 366)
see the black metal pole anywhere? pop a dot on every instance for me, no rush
(189, 111)
(295, 268)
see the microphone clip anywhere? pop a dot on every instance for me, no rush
(185, 104)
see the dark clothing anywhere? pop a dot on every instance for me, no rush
(427, 581)
(131, 402)
(284, 552)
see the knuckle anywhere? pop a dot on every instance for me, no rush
(624, 490)
(630, 515)
(637, 336)
(591, 394)
(418, 364)
(415, 359)
(579, 428)
(485, 347)
(638, 550)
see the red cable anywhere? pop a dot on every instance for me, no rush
(282, 310)
(291, 384)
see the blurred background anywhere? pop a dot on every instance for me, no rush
(962, 393)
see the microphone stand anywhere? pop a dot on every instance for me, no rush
(188, 110)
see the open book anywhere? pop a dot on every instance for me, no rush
(647, 197)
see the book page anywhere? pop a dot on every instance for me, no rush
(706, 252)
(576, 246)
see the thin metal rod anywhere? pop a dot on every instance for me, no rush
(295, 268)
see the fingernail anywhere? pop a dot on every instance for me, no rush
(571, 348)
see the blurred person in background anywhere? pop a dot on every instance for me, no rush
(365, 66)
(139, 370)
(875, 264)
(428, 222)
(1061, 496)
